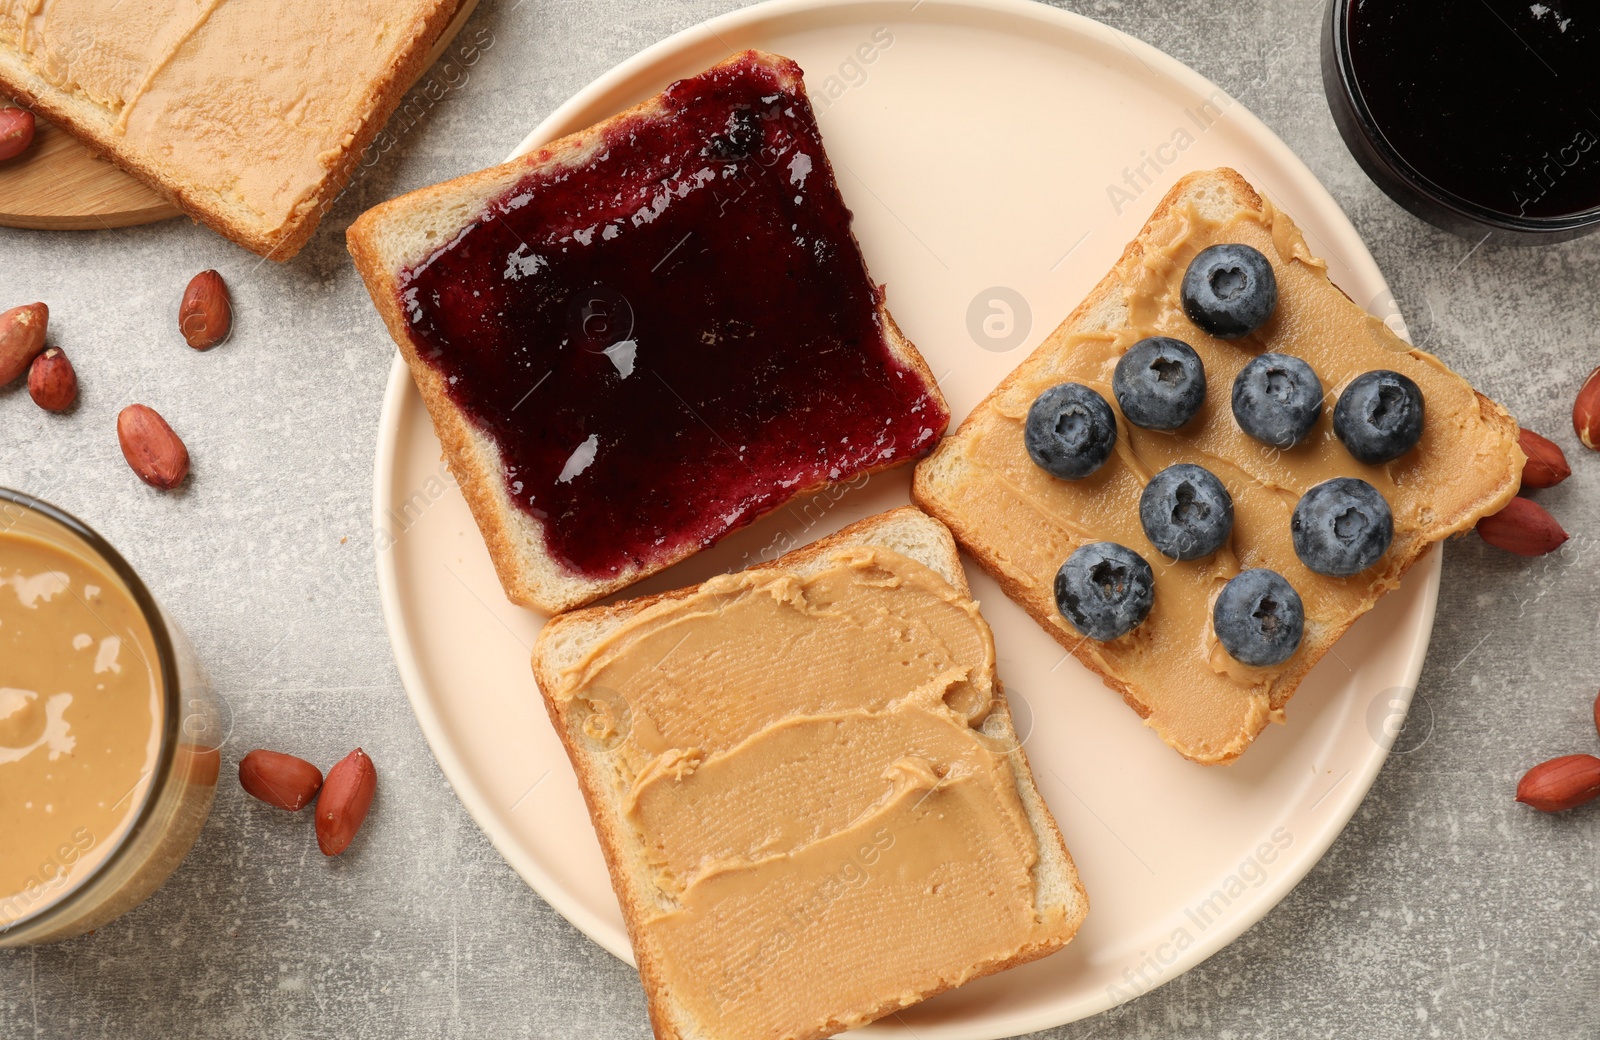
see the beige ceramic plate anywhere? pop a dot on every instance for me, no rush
(997, 156)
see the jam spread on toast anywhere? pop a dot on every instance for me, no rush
(668, 328)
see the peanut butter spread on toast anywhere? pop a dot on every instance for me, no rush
(256, 101)
(1024, 522)
(828, 809)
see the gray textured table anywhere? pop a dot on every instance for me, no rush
(1444, 910)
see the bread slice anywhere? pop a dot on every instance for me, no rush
(398, 236)
(1020, 523)
(250, 117)
(560, 656)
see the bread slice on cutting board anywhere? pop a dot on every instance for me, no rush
(250, 117)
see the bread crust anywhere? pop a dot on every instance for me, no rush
(199, 202)
(940, 499)
(514, 537)
(667, 1017)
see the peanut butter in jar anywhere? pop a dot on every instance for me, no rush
(102, 793)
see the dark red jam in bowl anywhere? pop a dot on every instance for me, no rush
(1479, 114)
(677, 333)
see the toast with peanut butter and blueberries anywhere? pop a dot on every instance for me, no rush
(645, 335)
(1214, 466)
(804, 776)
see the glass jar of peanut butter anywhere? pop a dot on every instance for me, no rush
(108, 737)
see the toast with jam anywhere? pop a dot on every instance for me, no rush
(645, 335)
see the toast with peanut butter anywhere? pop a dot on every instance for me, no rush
(251, 117)
(806, 783)
(1021, 522)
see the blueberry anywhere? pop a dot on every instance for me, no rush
(1186, 512)
(1229, 290)
(1277, 399)
(741, 139)
(1259, 618)
(1105, 590)
(1070, 431)
(1159, 383)
(1341, 527)
(1379, 416)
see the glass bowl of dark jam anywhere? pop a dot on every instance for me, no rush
(1478, 116)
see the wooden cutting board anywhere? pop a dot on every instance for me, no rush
(61, 184)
